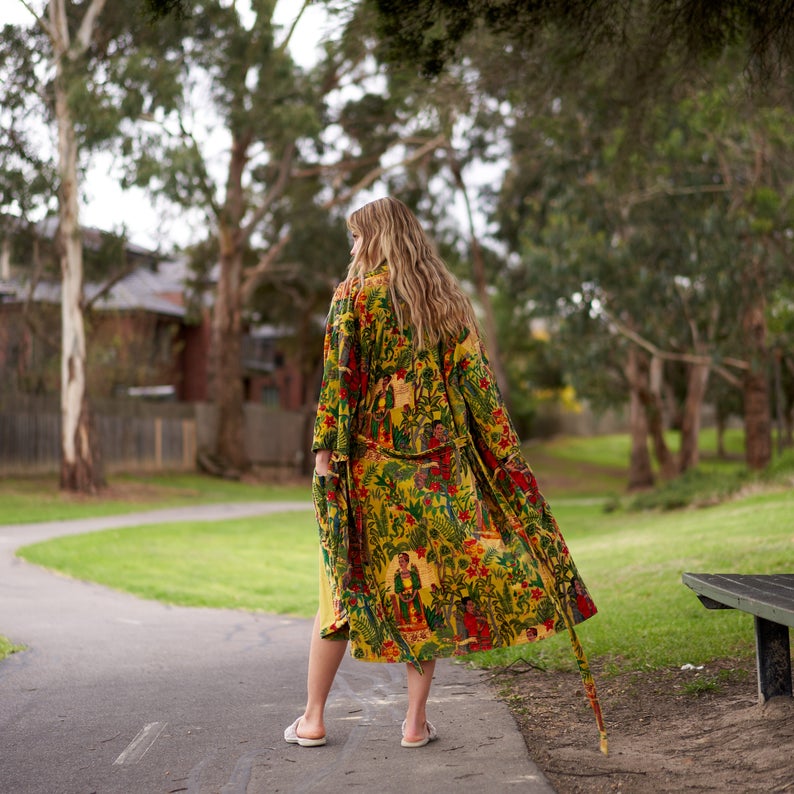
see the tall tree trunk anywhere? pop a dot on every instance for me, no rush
(81, 468)
(640, 471)
(653, 403)
(698, 377)
(226, 373)
(757, 410)
(225, 359)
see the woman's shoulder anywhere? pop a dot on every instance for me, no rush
(351, 288)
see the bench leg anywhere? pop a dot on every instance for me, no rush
(773, 659)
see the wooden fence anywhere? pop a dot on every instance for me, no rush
(137, 436)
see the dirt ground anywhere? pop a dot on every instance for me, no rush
(669, 731)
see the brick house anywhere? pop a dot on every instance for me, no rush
(144, 340)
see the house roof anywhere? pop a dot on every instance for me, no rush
(141, 290)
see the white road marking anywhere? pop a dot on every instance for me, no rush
(138, 747)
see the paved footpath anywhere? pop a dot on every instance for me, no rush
(117, 695)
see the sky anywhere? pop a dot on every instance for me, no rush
(106, 206)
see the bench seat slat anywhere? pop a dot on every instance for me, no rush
(766, 596)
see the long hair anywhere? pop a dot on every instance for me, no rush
(423, 291)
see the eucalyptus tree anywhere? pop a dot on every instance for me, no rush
(76, 64)
(252, 132)
(673, 246)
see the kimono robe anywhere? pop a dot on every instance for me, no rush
(426, 463)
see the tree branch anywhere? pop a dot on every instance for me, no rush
(688, 358)
(651, 193)
(40, 20)
(276, 190)
(206, 187)
(253, 274)
(374, 174)
(284, 44)
(83, 38)
(108, 285)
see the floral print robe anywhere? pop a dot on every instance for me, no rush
(429, 504)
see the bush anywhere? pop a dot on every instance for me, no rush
(694, 488)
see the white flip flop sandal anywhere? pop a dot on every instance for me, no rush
(291, 736)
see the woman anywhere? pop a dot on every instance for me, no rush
(417, 462)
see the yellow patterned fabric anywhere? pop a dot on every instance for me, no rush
(435, 539)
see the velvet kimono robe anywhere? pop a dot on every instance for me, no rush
(429, 503)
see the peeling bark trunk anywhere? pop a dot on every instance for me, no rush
(697, 380)
(225, 359)
(653, 403)
(226, 344)
(640, 471)
(757, 410)
(80, 461)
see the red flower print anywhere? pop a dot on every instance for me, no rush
(549, 624)
(329, 421)
(484, 383)
(435, 487)
(464, 363)
(471, 571)
(464, 515)
(401, 373)
(420, 552)
(525, 584)
(410, 520)
(537, 594)
(453, 489)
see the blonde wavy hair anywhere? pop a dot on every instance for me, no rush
(422, 289)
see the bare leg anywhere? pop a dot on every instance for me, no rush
(325, 656)
(418, 692)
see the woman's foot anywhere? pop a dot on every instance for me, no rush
(410, 741)
(291, 736)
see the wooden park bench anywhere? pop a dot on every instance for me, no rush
(770, 599)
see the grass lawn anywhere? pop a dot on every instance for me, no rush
(632, 561)
(267, 563)
(33, 499)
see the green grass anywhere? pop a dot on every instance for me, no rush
(7, 647)
(261, 564)
(33, 499)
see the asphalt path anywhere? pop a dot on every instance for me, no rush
(118, 695)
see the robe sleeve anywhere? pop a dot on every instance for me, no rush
(341, 377)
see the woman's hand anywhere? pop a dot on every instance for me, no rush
(321, 460)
